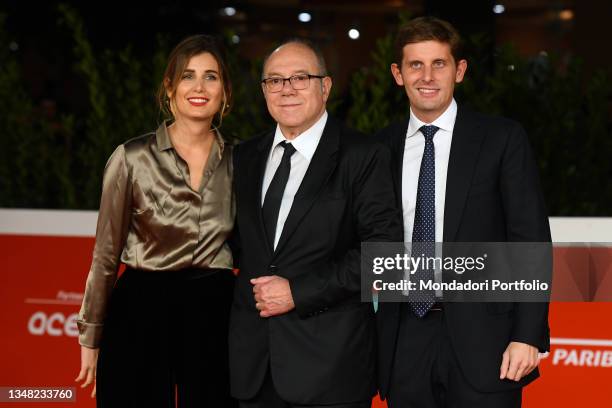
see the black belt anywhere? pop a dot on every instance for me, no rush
(437, 307)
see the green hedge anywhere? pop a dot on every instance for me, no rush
(58, 163)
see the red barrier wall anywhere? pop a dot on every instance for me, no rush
(42, 281)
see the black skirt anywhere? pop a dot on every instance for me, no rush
(164, 342)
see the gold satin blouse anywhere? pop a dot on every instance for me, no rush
(151, 219)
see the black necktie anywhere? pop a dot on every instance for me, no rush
(424, 231)
(274, 195)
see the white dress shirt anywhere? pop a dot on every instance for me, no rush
(305, 145)
(411, 167)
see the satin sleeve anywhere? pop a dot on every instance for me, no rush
(111, 233)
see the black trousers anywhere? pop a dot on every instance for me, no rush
(164, 342)
(426, 373)
(267, 397)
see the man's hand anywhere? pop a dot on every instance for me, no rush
(518, 360)
(272, 295)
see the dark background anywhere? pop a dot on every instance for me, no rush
(78, 78)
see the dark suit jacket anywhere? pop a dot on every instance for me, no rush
(493, 194)
(323, 351)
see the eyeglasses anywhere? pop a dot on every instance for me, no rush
(298, 82)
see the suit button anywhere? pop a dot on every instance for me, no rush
(272, 269)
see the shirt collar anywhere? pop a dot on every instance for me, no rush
(307, 142)
(446, 121)
(164, 142)
(163, 138)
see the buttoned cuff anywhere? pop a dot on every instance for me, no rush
(89, 334)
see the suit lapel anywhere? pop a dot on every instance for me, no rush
(320, 168)
(258, 168)
(465, 148)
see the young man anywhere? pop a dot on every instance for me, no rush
(460, 176)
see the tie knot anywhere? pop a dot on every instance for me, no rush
(429, 131)
(289, 149)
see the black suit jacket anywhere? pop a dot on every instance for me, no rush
(323, 351)
(493, 194)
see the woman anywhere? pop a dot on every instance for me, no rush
(166, 212)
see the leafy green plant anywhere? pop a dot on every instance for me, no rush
(57, 161)
(248, 115)
(35, 161)
(565, 112)
(121, 93)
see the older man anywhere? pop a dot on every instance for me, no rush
(307, 194)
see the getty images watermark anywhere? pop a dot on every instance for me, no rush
(457, 272)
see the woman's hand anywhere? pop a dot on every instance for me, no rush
(89, 362)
